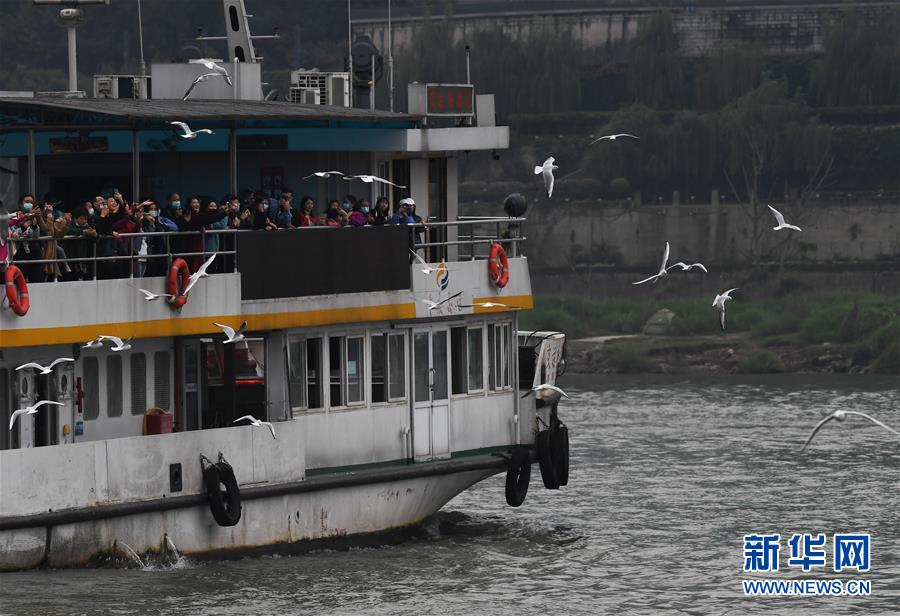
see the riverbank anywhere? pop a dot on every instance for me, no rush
(854, 334)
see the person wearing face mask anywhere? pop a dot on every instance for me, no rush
(25, 248)
(81, 245)
(358, 216)
(172, 205)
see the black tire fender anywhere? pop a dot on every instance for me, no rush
(559, 441)
(225, 505)
(518, 476)
(544, 444)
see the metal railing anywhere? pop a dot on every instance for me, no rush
(464, 239)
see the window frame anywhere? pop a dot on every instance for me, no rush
(304, 374)
(404, 368)
(502, 353)
(478, 390)
(360, 370)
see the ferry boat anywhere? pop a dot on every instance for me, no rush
(391, 386)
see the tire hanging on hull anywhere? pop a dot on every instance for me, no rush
(518, 476)
(225, 505)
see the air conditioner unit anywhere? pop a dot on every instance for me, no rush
(121, 86)
(307, 96)
(334, 88)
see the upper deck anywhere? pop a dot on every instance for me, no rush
(278, 280)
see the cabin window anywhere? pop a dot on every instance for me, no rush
(388, 352)
(114, 385)
(138, 383)
(420, 366)
(379, 352)
(4, 409)
(355, 370)
(467, 360)
(297, 373)
(315, 399)
(335, 370)
(458, 360)
(498, 351)
(396, 366)
(91, 387)
(161, 390)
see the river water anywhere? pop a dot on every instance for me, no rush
(667, 476)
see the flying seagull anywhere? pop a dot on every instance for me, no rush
(118, 343)
(662, 269)
(841, 416)
(187, 133)
(153, 296)
(484, 305)
(686, 267)
(30, 410)
(719, 302)
(203, 77)
(547, 170)
(96, 343)
(779, 218)
(546, 387)
(44, 369)
(426, 269)
(212, 66)
(368, 179)
(432, 305)
(233, 336)
(257, 422)
(613, 137)
(196, 276)
(323, 174)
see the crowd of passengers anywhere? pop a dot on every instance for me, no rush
(96, 227)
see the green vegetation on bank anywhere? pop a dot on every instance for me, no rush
(869, 324)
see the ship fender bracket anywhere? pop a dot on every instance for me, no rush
(518, 476)
(222, 491)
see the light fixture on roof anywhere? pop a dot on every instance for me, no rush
(70, 15)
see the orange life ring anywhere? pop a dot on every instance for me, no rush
(16, 290)
(498, 266)
(176, 281)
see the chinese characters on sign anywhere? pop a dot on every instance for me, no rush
(850, 552)
(453, 100)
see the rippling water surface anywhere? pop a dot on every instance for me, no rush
(667, 475)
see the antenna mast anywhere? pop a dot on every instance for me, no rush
(70, 15)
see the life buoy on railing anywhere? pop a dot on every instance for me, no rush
(176, 282)
(16, 290)
(498, 266)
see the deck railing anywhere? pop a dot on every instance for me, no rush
(463, 239)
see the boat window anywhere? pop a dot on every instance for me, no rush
(458, 359)
(476, 359)
(397, 366)
(114, 385)
(421, 366)
(297, 373)
(335, 370)
(91, 387)
(498, 355)
(4, 408)
(439, 363)
(379, 368)
(313, 373)
(161, 390)
(138, 383)
(355, 370)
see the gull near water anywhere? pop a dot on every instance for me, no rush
(613, 137)
(323, 174)
(257, 422)
(687, 267)
(96, 343)
(368, 179)
(30, 410)
(547, 171)
(779, 218)
(187, 133)
(434, 305)
(719, 302)
(841, 416)
(546, 387)
(44, 369)
(662, 269)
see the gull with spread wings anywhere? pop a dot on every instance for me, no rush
(841, 416)
(662, 269)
